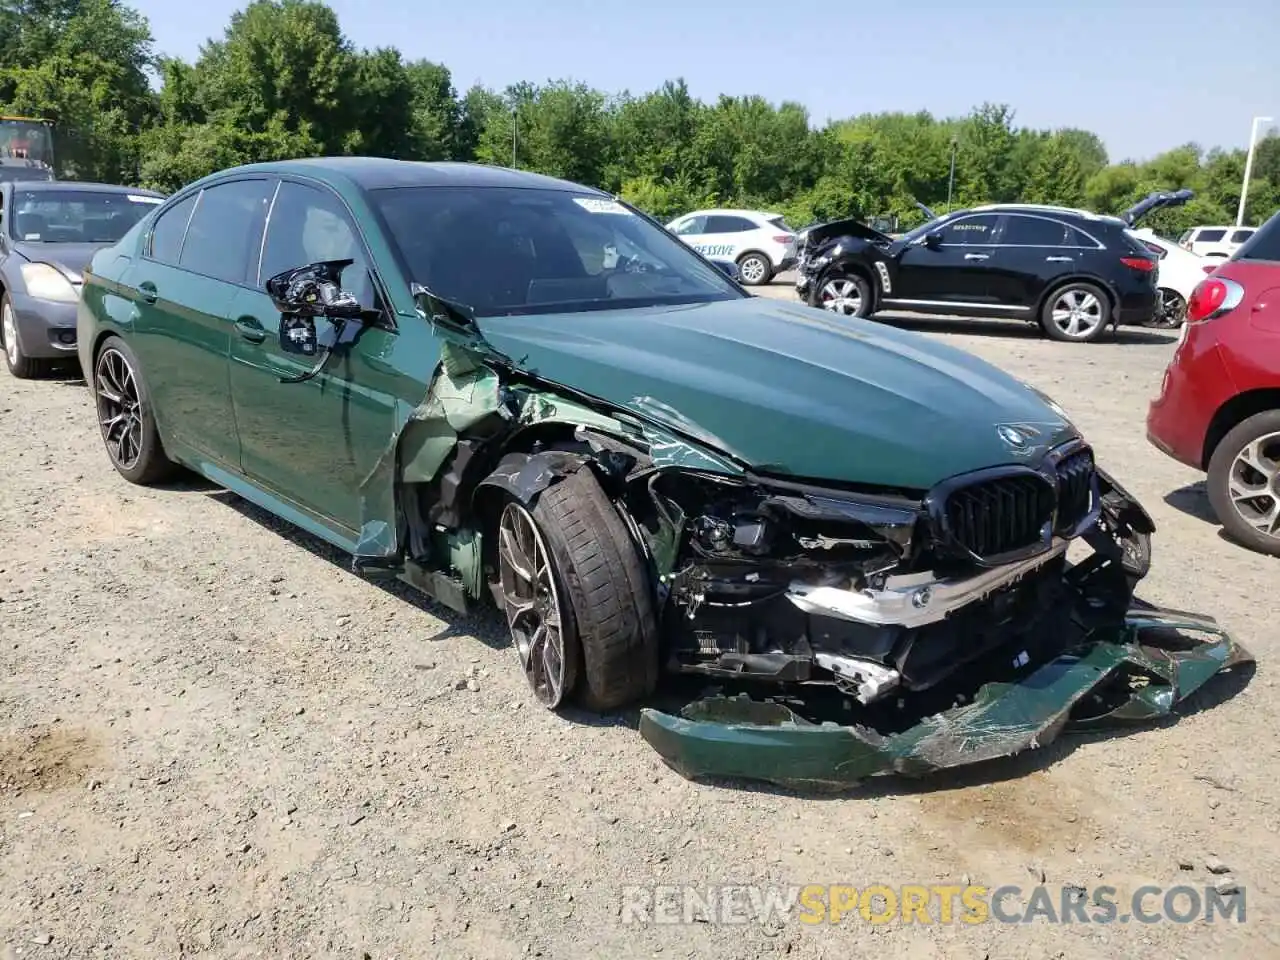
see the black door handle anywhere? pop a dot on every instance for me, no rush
(147, 291)
(251, 329)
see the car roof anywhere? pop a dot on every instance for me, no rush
(84, 185)
(1043, 208)
(729, 212)
(379, 173)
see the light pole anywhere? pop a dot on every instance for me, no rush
(515, 130)
(1248, 166)
(951, 180)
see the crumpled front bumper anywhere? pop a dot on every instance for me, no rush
(737, 737)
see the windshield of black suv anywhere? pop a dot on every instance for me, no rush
(509, 251)
(74, 216)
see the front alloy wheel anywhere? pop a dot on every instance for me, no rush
(1244, 482)
(19, 364)
(848, 296)
(531, 601)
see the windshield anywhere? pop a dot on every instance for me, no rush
(26, 140)
(510, 251)
(75, 216)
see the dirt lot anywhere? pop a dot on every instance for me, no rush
(215, 740)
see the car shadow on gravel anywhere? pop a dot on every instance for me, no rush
(1193, 500)
(1013, 329)
(484, 624)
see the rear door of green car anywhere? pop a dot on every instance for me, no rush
(195, 260)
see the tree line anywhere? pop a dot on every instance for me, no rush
(284, 81)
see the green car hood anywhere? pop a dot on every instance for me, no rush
(792, 390)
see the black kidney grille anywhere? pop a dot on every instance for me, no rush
(1075, 489)
(998, 516)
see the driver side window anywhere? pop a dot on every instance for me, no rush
(307, 225)
(970, 231)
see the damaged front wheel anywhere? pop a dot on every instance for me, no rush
(577, 597)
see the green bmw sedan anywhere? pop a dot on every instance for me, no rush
(499, 386)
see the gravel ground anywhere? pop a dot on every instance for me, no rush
(214, 740)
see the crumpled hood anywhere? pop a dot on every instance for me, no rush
(820, 233)
(792, 390)
(70, 258)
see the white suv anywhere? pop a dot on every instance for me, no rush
(761, 244)
(1215, 241)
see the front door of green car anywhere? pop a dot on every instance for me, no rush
(195, 261)
(313, 443)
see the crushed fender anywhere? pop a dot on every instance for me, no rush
(1137, 673)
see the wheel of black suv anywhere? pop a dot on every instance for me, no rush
(19, 364)
(1244, 482)
(1076, 312)
(125, 416)
(844, 293)
(755, 269)
(577, 597)
(1171, 310)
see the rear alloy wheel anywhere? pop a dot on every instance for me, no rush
(1076, 313)
(577, 597)
(755, 269)
(125, 418)
(1244, 482)
(19, 364)
(1171, 310)
(848, 295)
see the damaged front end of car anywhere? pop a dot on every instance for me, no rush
(850, 630)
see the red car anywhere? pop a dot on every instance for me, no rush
(1219, 404)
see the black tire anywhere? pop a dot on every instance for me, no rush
(1087, 293)
(142, 459)
(759, 262)
(18, 363)
(1171, 312)
(824, 290)
(1221, 466)
(612, 628)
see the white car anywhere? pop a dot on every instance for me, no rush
(1178, 272)
(1219, 242)
(760, 243)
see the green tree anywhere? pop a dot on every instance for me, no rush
(83, 64)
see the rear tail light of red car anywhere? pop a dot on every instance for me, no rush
(1213, 297)
(1139, 263)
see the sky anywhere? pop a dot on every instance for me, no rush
(1144, 76)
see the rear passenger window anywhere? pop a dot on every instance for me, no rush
(1210, 236)
(1240, 236)
(226, 229)
(722, 224)
(1264, 244)
(1034, 232)
(170, 228)
(1078, 238)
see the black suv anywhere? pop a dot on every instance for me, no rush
(1071, 271)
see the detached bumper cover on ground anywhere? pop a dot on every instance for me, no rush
(1145, 667)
